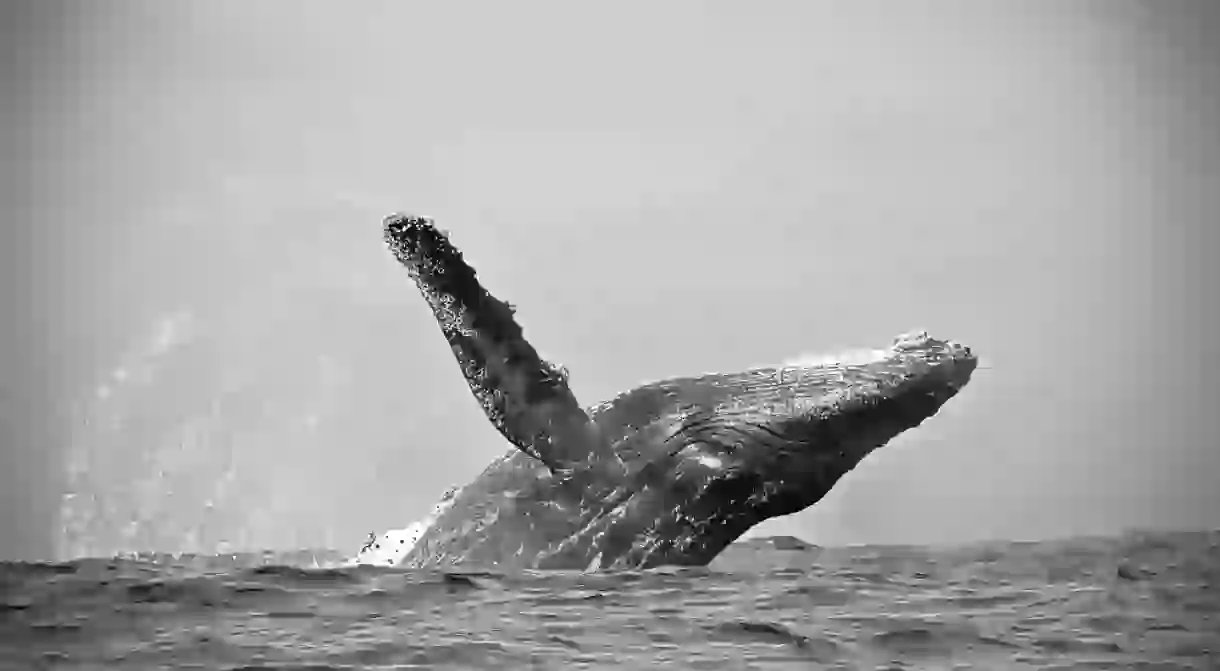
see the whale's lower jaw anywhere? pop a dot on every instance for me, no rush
(668, 473)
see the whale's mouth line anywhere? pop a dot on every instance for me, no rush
(669, 472)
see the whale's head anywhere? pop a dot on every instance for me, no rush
(792, 434)
(712, 456)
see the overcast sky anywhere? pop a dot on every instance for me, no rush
(203, 332)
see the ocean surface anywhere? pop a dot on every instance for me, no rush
(1138, 601)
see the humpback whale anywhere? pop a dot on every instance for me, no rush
(668, 473)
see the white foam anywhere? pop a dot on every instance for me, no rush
(393, 546)
(849, 357)
(859, 356)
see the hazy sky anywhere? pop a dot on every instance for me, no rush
(203, 330)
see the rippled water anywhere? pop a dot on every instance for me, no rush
(1140, 601)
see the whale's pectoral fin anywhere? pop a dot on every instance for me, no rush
(526, 398)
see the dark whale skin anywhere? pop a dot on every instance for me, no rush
(669, 473)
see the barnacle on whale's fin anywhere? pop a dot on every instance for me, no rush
(526, 398)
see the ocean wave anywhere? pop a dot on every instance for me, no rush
(1062, 604)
